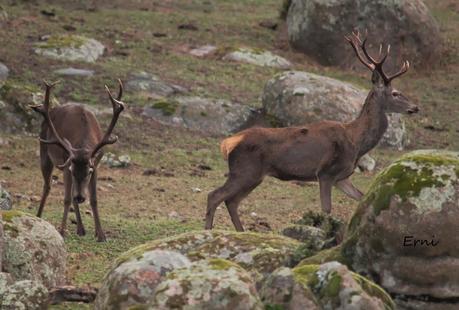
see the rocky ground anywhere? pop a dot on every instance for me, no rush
(173, 55)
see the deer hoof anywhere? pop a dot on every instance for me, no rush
(101, 238)
(81, 232)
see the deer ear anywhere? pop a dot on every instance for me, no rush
(377, 79)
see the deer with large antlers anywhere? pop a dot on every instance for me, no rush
(324, 151)
(71, 140)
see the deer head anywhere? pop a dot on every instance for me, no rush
(81, 162)
(393, 101)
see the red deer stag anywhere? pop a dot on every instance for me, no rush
(324, 151)
(71, 140)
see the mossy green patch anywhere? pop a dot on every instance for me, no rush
(167, 106)
(8, 216)
(306, 275)
(62, 41)
(406, 178)
(222, 264)
(324, 256)
(332, 287)
(373, 289)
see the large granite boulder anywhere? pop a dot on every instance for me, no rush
(258, 57)
(70, 48)
(317, 28)
(327, 286)
(207, 284)
(5, 199)
(257, 252)
(133, 282)
(33, 249)
(404, 233)
(212, 116)
(298, 98)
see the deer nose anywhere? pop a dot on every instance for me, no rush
(79, 199)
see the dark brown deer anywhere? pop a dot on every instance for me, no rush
(324, 151)
(71, 140)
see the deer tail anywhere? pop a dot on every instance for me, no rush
(229, 144)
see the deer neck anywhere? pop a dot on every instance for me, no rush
(369, 127)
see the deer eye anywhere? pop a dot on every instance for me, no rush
(70, 168)
(395, 94)
(91, 170)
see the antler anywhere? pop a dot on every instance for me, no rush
(374, 65)
(118, 107)
(43, 109)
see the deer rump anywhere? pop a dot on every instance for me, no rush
(292, 153)
(80, 128)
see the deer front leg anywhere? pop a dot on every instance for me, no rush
(349, 189)
(80, 227)
(93, 202)
(67, 200)
(46, 171)
(325, 195)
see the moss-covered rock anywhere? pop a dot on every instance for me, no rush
(70, 47)
(23, 295)
(335, 287)
(133, 282)
(211, 116)
(327, 286)
(256, 252)
(406, 227)
(207, 284)
(33, 249)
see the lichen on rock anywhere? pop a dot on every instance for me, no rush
(207, 284)
(33, 249)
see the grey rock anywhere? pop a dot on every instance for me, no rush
(71, 48)
(366, 163)
(74, 72)
(259, 58)
(212, 116)
(133, 282)
(299, 98)
(4, 72)
(207, 284)
(24, 295)
(5, 199)
(317, 28)
(203, 51)
(114, 161)
(151, 86)
(33, 249)
(415, 198)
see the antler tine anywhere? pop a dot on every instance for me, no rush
(120, 92)
(403, 70)
(43, 109)
(118, 107)
(351, 40)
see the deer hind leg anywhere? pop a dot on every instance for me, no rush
(325, 194)
(233, 203)
(100, 235)
(47, 171)
(67, 200)
(349, 189)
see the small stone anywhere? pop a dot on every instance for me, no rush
(196, 190)
(203, 51)
(366, 163)
(5, 199)
(259, 58)
(70, 47)
(4, 72)
(74, 72)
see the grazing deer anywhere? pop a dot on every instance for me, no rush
(71, 140)
(324, 151)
